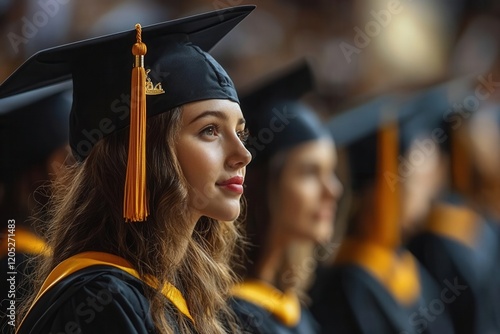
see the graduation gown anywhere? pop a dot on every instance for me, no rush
(350, 299)
(495, 226)
(460, 250)
(263, 309)
(87, 295)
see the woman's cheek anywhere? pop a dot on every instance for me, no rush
(306, 190)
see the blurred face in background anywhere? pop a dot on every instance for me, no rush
(484, 132)
(304, 196)
(421, 185)
(485, 138)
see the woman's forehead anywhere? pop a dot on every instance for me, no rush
(221, 108)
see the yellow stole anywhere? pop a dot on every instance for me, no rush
(25, 242)
(284, 306)
(455, 222)
(398, 273)
(88, 259)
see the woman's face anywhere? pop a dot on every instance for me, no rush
(426, 172)
(211, 152)
(485, 139)
(303, 202)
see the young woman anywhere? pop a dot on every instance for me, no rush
(457, 242)
(291, 196)
(152, 257)
(375, 285)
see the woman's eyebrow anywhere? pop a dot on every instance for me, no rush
(214, 113)
(219, 114)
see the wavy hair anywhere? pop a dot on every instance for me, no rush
(85, 214)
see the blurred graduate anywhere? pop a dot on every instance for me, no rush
(291, 195)
(375, 285)
(458, 245)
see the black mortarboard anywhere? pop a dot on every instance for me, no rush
(377, 134)
(276, 118)
(32, 126)
(372, 134)
(438, 113)
(100, 69)
(114, 87)
(416, 114)
(356, 129)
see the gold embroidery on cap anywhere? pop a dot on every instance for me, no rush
(153, 89)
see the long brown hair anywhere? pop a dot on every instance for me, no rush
(86, 215)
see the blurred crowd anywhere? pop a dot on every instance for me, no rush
(420, 216)
(357, 48)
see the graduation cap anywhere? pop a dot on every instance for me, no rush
(440, 112)
(418, 113)
(377, 133)
(276, 118)
(120, 79)
(32, 126)
(357, 130)
(374, 135)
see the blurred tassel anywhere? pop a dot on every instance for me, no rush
(387, 206)
(135, 204)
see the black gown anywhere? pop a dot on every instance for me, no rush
(96, 299)
(256, 318)
(352, 301)
(472, 270)
(373, 289)
(495, 295)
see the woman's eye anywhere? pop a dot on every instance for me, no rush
(210, 131)
(309, 170)
(243, 135)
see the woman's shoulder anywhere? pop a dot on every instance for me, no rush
(256, 320)
(252, 318)
(98, 299)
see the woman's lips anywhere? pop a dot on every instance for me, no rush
(234, 184)
(326, 213)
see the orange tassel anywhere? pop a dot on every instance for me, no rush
(387, 206)
(135, 203)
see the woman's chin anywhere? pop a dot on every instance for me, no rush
(323, 235)
(229, 214)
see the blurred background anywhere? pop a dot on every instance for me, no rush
(357, 48)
